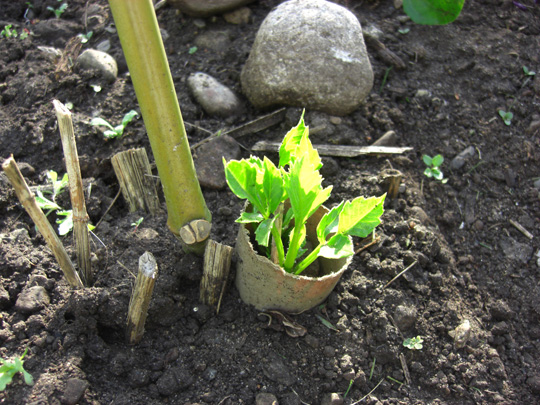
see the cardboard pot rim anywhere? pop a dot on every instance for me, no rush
(266, 285)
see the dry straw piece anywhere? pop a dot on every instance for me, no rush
(140, 298)
(27, 199)
(80, 216)
(217, 263)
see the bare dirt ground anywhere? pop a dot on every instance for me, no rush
(472, 264)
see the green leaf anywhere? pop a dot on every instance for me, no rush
(129, 117)
(244, 178)
(100, 122)
(303, 186)
(360, 216)
(337, 247)
(329, 223)
(44, 203)
(272, 187)
(433, 12)
(437, 174)
(437, 160)
(262, 234)
(111, 134)
(291, 141)
(65, 225)
(250, 217)
(506, 116)
(427, 160)
(327, 323)
(428, 172)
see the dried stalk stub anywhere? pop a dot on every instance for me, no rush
(140, 298)
(27, 199)
(217, 263)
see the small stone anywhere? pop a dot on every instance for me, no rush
(215, 40)
(330, 167)
(238, 17)
(208, 159)
(312, 341)
(265, 398)
(332, 399)
(345, 362)
(32, 299)
(173, 380)
(4, 298)
(500, 311)
(405, 317)
(276, 370)
(329, 351)
(74, 391)
(198, 8)
(336, 120)
(105, 63)
(515, 250)
(225, 211)
(459, 161)
(422, 93)
(214, 97)
(388, 139)
(534, 383)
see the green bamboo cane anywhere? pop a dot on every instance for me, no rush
(188, 217)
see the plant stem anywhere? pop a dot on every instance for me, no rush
(141, 41)
(276, 235)
(293, 248)
(308, 260)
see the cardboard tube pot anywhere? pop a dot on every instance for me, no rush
(266, 285)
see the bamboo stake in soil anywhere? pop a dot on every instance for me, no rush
(27, 199)
(134, 174)
(217, 263)
(80, 217)
(140, 298)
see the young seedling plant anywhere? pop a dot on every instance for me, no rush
(433, 167)
(58, 11)
(8, 369)
(9, 32)
(414, 343)
(117, 131)
(297, 179)
(65, 224)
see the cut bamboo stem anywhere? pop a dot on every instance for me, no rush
(217, 263)
(134, 173)
(80, 216)
(140, 298)
(392, 181)
(27, 199)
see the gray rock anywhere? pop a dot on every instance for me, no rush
(332, 399)
(74, 391)
(405, 317)
(207, 8)
(208, 160)
(388, 139)
(32, 299)
(173, 380)
(500, 311)
(214, 39)
(214, 97)
(515, 250)
(309, 53)
(238, 17)
(265, 398)
(276, 370)
(105, 63)
(459, 161)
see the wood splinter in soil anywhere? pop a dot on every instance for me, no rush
(134, 173)
(76, 192)
(140, 298)
(27, 199)
(217, 263)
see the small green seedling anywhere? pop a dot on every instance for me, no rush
(58, 11)
(297, 180)
(414, 343)
(96, 88)
(58, 187)
(10, 368)
(136, 224)
(506, 117)
(404, 31)
(528, 72)
(117, 131)
(65, 225)
(192, 50)
(9, 32)
(432, 169)
(85, 37)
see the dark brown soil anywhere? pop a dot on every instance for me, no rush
(471, 262)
